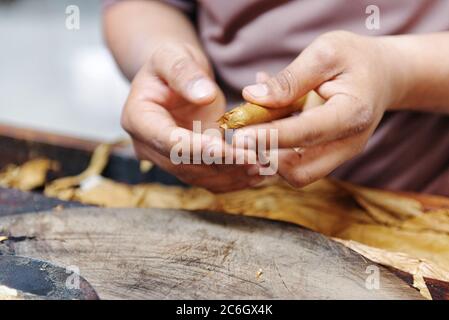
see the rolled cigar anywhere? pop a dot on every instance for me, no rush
(248, 113)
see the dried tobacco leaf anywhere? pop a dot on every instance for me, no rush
(107, 193)
(431, 245)
(28, 176)
(418, 268)
(64, 188)
(436, 220)
(7, 293)
(401, 207)
(325, 212)
(146, 166)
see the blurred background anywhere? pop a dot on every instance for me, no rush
(56, 79)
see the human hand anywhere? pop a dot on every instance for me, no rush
(171, 90)
(357, 77)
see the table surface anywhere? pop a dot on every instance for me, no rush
(170, 254)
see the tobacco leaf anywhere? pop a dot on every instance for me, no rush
(418, 268)
(436, 220)
(7, 293)
(397, 205)
(28, 176)
(429, 245)
(64, 188)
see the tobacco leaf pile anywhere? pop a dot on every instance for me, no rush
(409, 232)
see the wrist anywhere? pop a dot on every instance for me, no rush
(399, 70)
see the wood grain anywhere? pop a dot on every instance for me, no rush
(169, 254)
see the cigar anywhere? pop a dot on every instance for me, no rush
(248, 113)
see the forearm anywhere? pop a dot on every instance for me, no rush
(421, 64)
(134, 29)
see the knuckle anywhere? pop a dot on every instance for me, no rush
(295, 183)
(128, 118)
(310, 137)
(159, 144)
(178, 67)
(125, 121)
(312, 133)
(325, 52)
(328, 46)
(354, 118)
(282, 86)
(364, 115)
(161, 52)
(301, 178)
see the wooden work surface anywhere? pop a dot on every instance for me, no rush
(170, 254)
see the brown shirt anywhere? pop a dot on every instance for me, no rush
(409, 151)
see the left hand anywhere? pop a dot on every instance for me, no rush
(357, 76)
(174, 88)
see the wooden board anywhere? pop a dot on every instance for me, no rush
(169, 254)
(14, 201)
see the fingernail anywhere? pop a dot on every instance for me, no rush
(257, 90)
(202, 88)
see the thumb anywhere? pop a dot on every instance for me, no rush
(307, 72)
(177, 66)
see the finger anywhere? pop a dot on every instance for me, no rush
(217, 178)
(178, 67)
(300, 168)
(145, 152)
(341, 116)
(313, 100)
(152, 124)
(315, 65)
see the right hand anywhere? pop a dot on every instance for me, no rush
(170, 91)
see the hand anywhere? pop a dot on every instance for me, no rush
(356, 76)
(171, 90)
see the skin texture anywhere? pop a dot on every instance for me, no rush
(359, 77)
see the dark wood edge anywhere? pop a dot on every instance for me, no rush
(35, 135)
